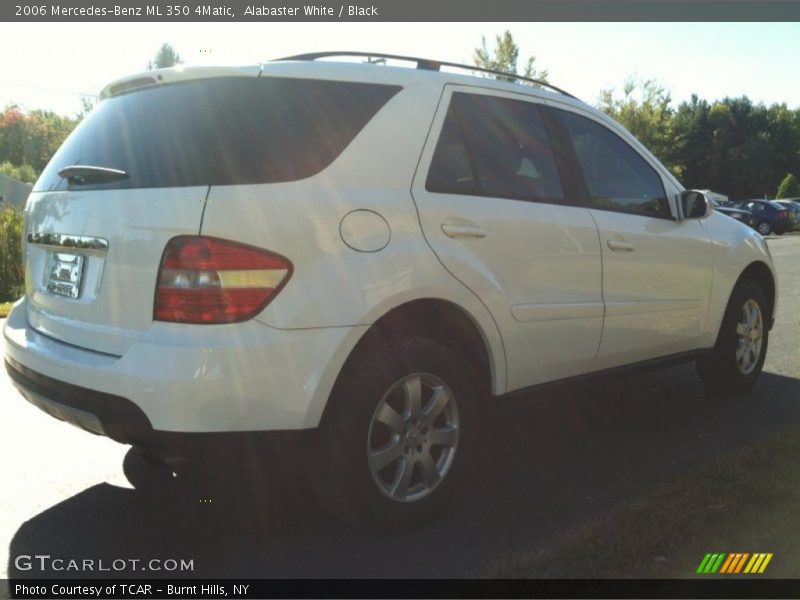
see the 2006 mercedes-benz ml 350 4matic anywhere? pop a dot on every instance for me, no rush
(369, 252)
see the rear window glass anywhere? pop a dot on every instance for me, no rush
(219, 132)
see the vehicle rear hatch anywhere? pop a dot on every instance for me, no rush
(134, 173)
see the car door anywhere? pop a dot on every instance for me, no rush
(757, 210)
(657, 270)
(503, 219)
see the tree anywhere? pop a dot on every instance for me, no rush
(12, 276)
(789, 187)
(31, 138)
(166, 56)
(732, 146)
(24, 172)
(644, 110)
(504, 58)
(88, 103)
(694, 144)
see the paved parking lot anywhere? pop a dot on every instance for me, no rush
(550, 461)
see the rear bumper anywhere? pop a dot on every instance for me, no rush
(96, 412)
(121, 420)
(783, 226)
(182, 378)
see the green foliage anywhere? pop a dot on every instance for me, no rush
(789, 188)
(166, 56)
(31, 138)
(645, 111)
(24, 173)
(11, 269)
(731, 146)
(87, 104)
(504, 58)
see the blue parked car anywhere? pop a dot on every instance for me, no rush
(741, 215)
(768, 216)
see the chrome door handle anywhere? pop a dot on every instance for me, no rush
(621, 245)
(463, 230)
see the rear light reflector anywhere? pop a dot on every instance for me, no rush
(208, 280)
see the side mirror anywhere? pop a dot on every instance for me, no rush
(694, 205)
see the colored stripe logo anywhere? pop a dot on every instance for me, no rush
(734, 563)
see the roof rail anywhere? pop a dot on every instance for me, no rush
(425, 64)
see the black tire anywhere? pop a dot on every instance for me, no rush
(720, 370)
(146, 472)
(339, 468)
(764, 228)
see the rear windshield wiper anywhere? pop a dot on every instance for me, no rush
(88, 174)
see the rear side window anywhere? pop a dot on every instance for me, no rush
(493, 146)
(617, 177)
(220, 132)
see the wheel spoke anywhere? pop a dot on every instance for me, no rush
(740, 329)
(430, 474)
(437, 404)
(378, 459)
(413, 390)
(746, 316)
(405, 469)
(444, 437)
(390, 417)
(740, 350)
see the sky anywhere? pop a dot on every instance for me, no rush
(49, 65)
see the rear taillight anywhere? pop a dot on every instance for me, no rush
(209, 280)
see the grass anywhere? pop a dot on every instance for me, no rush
(5, 308)
(744, 501)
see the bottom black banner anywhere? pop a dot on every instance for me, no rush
(388, 588)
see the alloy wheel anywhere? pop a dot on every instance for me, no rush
(413, 437)
(750, 332)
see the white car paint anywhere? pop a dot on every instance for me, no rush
(536, 266)
(114, 312)
(540, 282)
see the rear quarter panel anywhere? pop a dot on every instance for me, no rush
(334, 285)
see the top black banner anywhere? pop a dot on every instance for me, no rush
(399, 10)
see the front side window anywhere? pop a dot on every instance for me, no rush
(493, 146)
(616, 176)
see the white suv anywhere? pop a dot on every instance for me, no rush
(369, 252)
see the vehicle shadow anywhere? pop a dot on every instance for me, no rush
(549, 460)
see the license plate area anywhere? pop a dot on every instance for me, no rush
(66, 272)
